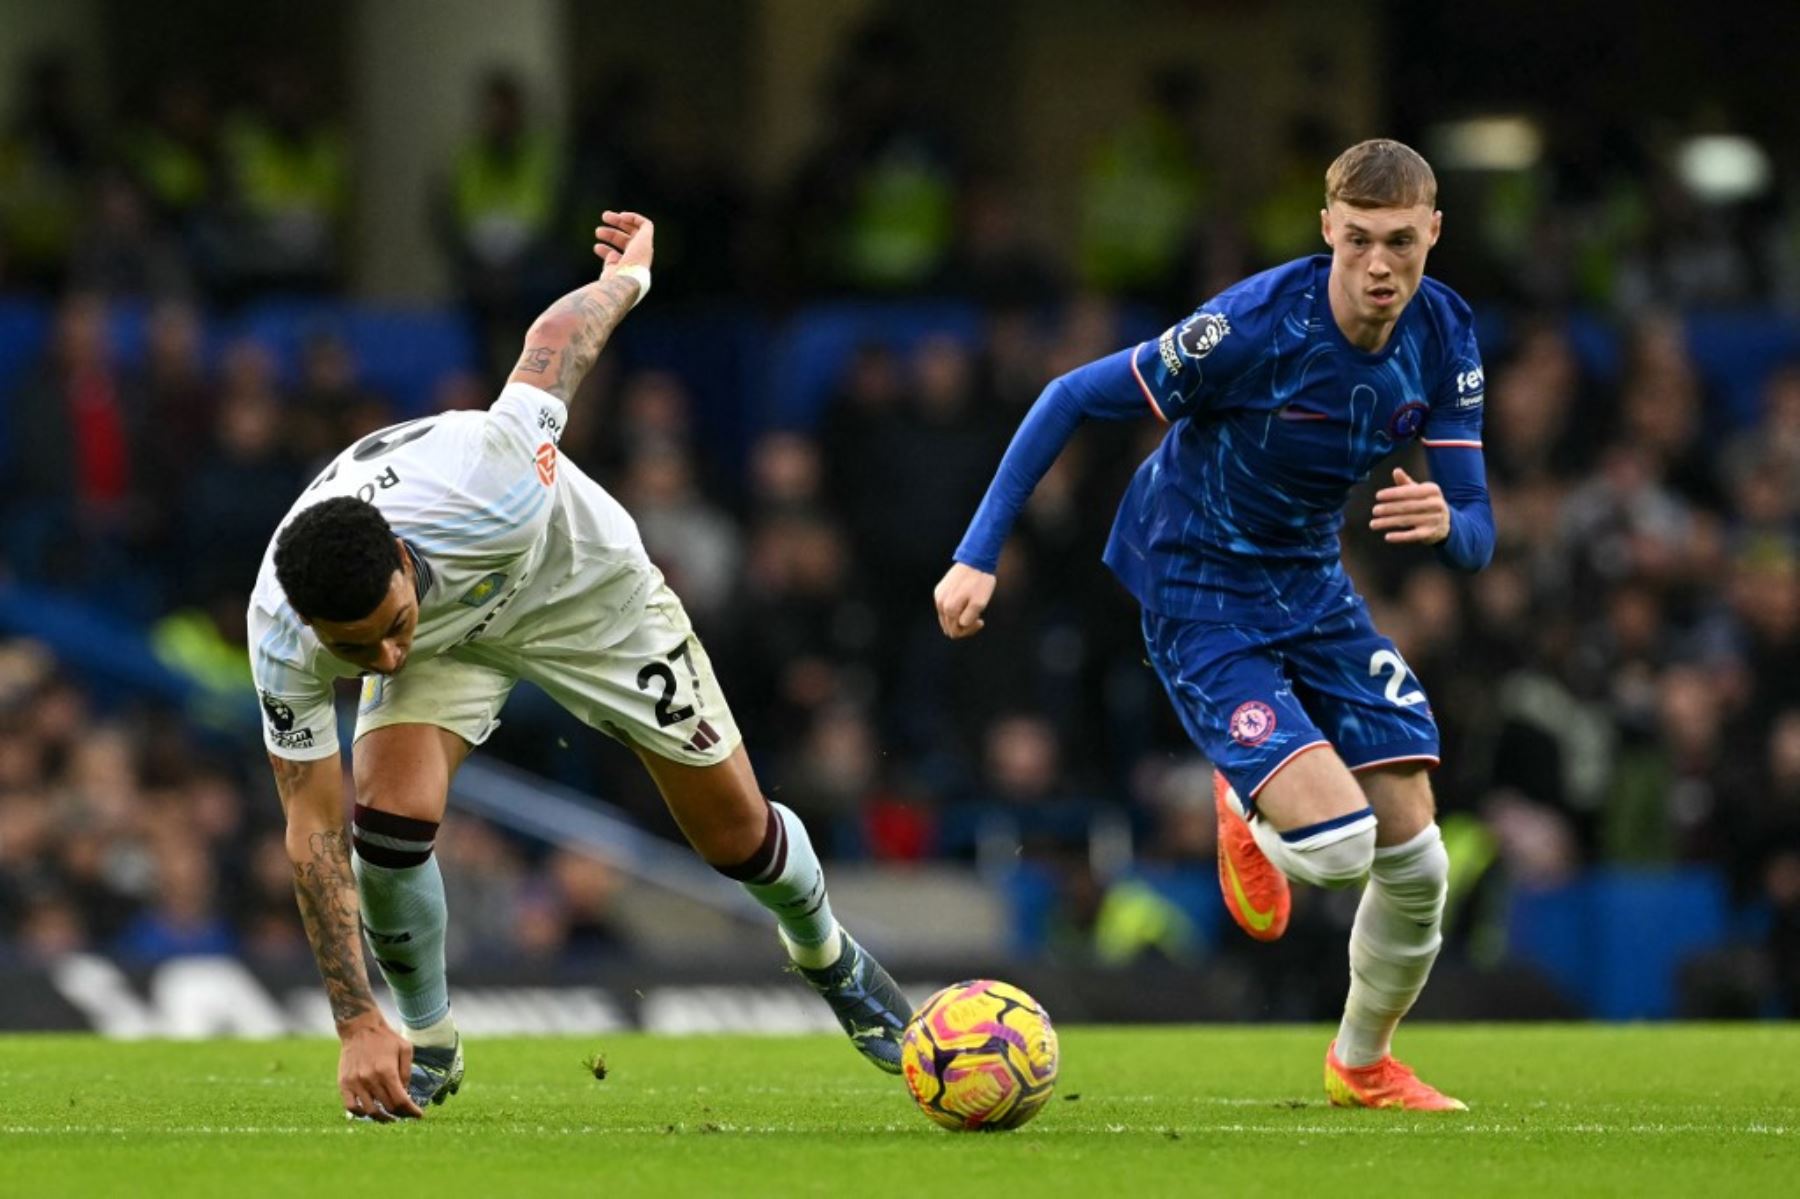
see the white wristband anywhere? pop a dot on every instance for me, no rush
(639, 275)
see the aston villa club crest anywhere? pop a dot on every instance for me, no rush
(483, 591)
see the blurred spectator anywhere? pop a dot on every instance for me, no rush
(873, 206)
(174, 153)
(288, 187)
(184, 918)
(497, 212)
(236, 496)
(1145, 195)
(123, 253)
(44, 158)
(72, 462)
(696, 544)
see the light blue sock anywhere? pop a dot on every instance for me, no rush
(404, 916)
(785, 877)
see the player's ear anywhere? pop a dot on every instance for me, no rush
(1437, 227)
(1325, 225)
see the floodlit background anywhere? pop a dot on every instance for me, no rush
(235, 236)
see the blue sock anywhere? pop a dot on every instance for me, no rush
(403, 911)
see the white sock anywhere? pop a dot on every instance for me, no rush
(1332, 853)
(814, 957)
(440, 1035)
(1393, 944)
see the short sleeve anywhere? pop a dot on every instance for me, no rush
(1191, 363)
(526, 420)
(1456, 407)
(299, 715)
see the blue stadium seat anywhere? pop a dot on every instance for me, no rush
(1613, 939)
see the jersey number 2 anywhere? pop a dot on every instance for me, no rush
(658, 672)
(1387, 659)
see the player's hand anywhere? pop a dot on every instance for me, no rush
(624, 239)
(1411, 512)
(962, 596)
(372, 1069)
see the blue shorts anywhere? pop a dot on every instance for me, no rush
(1252, 699)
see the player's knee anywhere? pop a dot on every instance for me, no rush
(1337, 856)
(1415, 874)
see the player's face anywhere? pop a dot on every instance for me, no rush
(1377, 258)
(380, 641)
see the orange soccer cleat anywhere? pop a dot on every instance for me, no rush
(1386, 1083)
(1256, 893)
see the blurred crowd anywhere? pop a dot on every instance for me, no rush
(1621, 686)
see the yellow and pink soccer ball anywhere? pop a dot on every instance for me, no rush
(980, 1055)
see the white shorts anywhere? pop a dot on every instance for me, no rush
(653, 690)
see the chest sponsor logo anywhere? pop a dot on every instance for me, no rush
(1471, 386)
(374, 690)
(1202, 334)
(546, 463)
(280, 717)
(483, 591)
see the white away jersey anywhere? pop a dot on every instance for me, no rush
(497, 525)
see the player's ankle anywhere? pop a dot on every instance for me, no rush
(439, 1034)
(814, 956)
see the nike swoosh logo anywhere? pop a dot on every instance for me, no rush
(1257, 920)
(1289, 412)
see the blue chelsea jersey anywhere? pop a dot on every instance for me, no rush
(1275, 416)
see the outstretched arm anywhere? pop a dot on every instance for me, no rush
(1106, 389)
(374, 1060)
(563, 343)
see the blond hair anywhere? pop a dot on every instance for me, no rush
(1380, 173)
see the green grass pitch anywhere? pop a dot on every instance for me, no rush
(1557, 1111)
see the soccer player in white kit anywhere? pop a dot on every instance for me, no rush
(443, 560)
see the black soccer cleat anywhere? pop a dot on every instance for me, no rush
(436, 1074)
(867, 1002)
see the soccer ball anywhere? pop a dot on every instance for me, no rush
(980, 1055)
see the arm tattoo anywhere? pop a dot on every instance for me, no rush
(589, 315)
(287, 777)
(326, 888)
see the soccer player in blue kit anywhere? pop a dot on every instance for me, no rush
(1283, 393)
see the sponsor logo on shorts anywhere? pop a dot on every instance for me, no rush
(1252, 723)
(546, 463)
(1407, 420)
(1202, 334)
(374, 690)
(281, 724)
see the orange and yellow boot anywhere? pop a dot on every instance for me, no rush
(1386, 1083)
(1256, 893)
